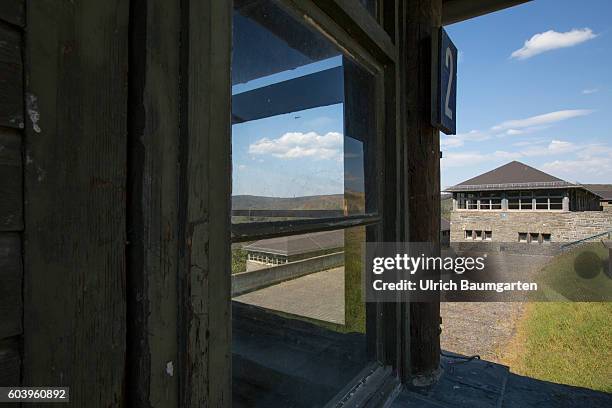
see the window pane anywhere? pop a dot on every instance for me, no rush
(303, 146)
(371, 6)
(299, 327)
(303, 123)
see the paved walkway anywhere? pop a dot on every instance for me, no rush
(318, 296)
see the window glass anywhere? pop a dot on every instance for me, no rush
(303, 125)
(371, 6)
(303, 147)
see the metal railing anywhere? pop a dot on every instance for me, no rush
(573, 244)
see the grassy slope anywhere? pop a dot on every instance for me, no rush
(568, 342)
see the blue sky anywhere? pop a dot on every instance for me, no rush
(534, 85)
(543, 100)
(290, 155)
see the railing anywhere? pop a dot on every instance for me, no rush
(569, 245)
(245, 282)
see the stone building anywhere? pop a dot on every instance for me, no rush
(267, 253)
(517, 203)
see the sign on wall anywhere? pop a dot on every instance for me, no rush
(444, 83)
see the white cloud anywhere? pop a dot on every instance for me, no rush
(242, 167)
(552, 40)
(458, 140)
(589, 91)
(463, 159)
(294, 145)
(586, 170)
(520, 126)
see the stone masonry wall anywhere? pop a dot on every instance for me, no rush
(506, 225)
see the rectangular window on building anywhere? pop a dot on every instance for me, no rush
(545, 238)
(490, 201)
(514, 200)
(479, 235)
(488, 235)
(522, 237)
(306, 154)
(469, 234)
(472, 201)
(556, 203)
(541, 203)
(526, 200)
(534, 238)
(461, 201)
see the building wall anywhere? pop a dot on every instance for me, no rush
(506, 225)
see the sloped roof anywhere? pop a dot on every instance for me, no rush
(299, 244)
(512, 176)
(602, 190)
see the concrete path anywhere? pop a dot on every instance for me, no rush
(317, 296)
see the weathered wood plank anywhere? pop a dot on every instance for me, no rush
(11, 273)
(10, 362)
(152, 366)
(75, 183)
(10, 44)
(11, 95)
(11, 78)
(13, 11)
(205, 197)
(11, 181)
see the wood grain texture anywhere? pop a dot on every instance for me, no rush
(152, 366)
(13, 11)
(204, 251)
(11, 273)
(11, 78)
(422, 169)
(11, 181)
(75, 211)
(10, 363)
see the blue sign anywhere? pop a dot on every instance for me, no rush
(444, 83)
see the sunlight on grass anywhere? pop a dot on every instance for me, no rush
(566, 343)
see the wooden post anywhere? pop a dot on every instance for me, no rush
(152, 366)
(421, 168)
(179, 317)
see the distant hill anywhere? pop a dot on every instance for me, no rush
(315, 202)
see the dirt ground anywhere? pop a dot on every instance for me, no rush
(479, 328)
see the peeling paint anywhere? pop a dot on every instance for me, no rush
(33, 113)
(170, 368)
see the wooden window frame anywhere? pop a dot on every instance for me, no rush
(357, 33)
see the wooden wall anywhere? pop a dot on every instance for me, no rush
(11, 189)
(75, 207)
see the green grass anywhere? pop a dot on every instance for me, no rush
(239, 258)
(579, 275)
(568, 343)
